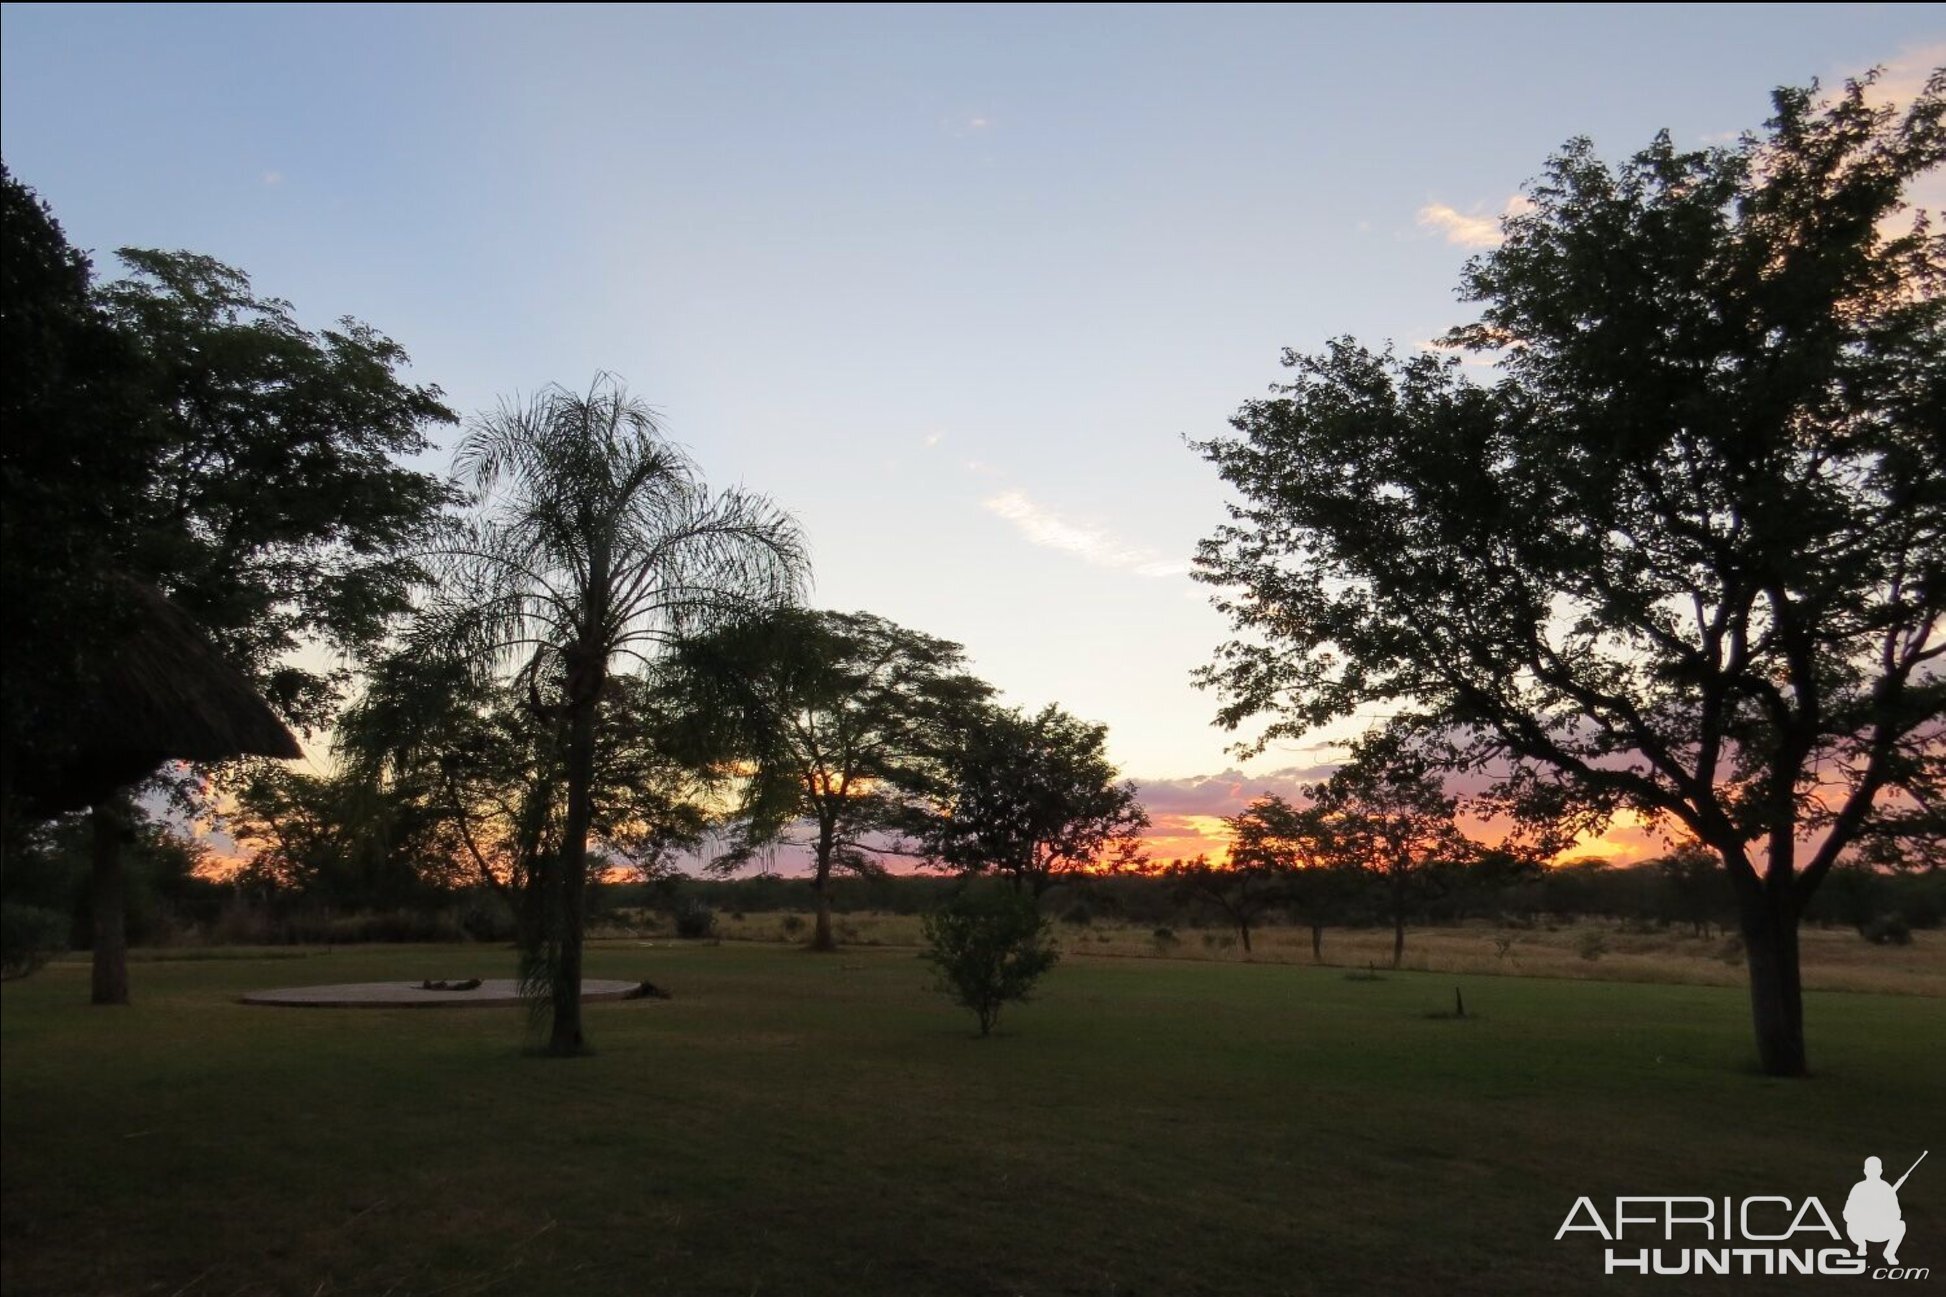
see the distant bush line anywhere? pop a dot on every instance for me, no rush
(172, 905)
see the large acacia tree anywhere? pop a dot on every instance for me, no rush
(1035, 799)
(840, 723)
(592, 543)
(175, 430)
(1686, 558)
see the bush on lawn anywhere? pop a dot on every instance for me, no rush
(989, 947)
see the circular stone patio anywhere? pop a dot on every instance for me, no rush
(491, 992)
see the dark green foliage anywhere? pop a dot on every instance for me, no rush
(1300, 860)
(1686, 558)
(1242, 894)
(273, 506)
(64, 387)
(590, 545)
(840, 723)
(481, 774)
(29, 937)
(694, 919)
(1886, 930)
(166, 893)
(1699, 893)
(989, 947)
(1378, 837)
(1035, 799)
(176, 442)
(339, 841)
(176, 428)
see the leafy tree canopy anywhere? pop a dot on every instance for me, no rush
(275, 505)
(178, 428)
(989, 948)
(1686, 557)
(1035, 798)
(839, 724)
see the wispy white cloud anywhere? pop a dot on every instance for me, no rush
(1904, 76)
(1474, 229)
(1901, 78)
(272, 179)
(971, 123)
(1470, 359)
(1091, 544)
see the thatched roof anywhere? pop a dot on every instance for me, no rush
(161, 692)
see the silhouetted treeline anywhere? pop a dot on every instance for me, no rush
(171, 903)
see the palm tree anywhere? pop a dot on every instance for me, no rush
(591, 542)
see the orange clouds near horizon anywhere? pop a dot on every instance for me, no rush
(1188, 820)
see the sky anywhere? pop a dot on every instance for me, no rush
(955, 285)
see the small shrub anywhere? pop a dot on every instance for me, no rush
(1591, 945)
(1503, 947)
(485, 917)
(1731, 951)
(989, 948)
(1218, 941)
(29, 937)
(243, 924)
(398, 925)
(1887, 930)
(1165, 938)
(792, 926)
(694, 920)
(1080, 916)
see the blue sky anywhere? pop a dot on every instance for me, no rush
(952, 284)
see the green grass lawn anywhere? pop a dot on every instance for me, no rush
(793, 1124)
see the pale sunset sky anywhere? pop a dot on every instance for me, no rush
(951, 284)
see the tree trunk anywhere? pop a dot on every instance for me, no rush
(111, 830)
(1243, 930)
(1776, 990)
(568, 882)
(821, 938)
(1317, 943)
(1398, 918)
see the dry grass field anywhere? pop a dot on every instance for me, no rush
(1835, 959)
